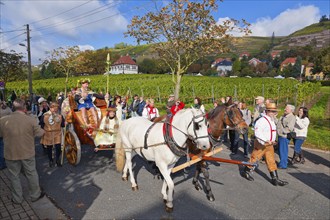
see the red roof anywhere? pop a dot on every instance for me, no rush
(125, 60)
(221, 59)
(289, 60)
(275, 53)
(244, 54)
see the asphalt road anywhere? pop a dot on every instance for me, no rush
(94, 190)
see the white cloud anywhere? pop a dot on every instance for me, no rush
(284, 24)
(287, 22)
(86, 47)
(53, 31)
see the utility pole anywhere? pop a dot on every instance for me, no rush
(29, 61)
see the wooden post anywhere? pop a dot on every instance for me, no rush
(159, 99)
(108, 62)
(278, 95)
(213, 95)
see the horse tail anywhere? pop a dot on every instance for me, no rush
(120, 153)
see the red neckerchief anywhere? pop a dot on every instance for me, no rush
(151, 110)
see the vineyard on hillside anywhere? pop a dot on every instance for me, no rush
(160, 86)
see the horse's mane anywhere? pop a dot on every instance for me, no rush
(214, 112)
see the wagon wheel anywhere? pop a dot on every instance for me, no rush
(72, 147)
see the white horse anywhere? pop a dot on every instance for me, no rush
(185, 124)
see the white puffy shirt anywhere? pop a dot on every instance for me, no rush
(301, 126)
(263, 131)
(150, 114)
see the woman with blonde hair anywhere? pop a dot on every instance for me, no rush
(150, 111)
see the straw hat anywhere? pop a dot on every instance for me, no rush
(54, 105)
(86, 80)
(111, 109)
(271, 107)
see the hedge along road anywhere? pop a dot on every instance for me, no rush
(94, 190)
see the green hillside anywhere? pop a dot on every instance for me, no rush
(252, 45)
(312, 29)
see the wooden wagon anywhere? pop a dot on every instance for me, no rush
(76, 133)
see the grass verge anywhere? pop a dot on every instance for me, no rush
(319, 130)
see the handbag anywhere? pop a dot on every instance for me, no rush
(291, 135)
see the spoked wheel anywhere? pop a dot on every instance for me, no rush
(72, 147)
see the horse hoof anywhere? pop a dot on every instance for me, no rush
(165, 201)
(124, 178)
(169, 209)
(210, 198)
(197, 187)
(135, 188)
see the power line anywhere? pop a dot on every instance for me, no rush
(61, 13)
(78, 17)
(10, 39)
(4, 32)
(93, 21)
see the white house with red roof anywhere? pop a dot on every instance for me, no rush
(219, 60)
(275, 53)
(254, 62)
(244, 54)
(288, 61)
(124, 65)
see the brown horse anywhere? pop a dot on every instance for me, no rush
(218, 119)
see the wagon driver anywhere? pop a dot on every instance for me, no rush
(84, 98)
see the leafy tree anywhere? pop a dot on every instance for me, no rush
(247, 71)
(64, 61)
(147, 66)
(182, 32)
(323, 18)
(261, 68)
(272, 41)
(325, 54)
(297, 67)
(194, 68)
(288, 70)
(236, 66)
(11, 66)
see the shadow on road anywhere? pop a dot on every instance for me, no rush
(314, 158)
(74, 185)
(321, 185)
(181, 210)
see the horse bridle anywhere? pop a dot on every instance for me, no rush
(230, 114)
(196, 127)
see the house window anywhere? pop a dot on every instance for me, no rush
(133, 67)
(127, 67)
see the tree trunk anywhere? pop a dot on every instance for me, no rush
(177, 86)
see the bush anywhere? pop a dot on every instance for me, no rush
(325, 83)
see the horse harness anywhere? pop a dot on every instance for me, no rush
(228, 113)
(168, 135)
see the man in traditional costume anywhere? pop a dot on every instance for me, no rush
(107, 132)
(52, 122)
(265, 133)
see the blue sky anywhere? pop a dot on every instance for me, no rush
(93, 24)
